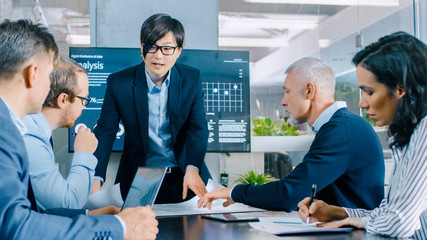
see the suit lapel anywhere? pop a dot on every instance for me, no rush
(174, 101)
(141, 103)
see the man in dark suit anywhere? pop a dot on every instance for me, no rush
(161, 106)
(27, 53)
(345, 160)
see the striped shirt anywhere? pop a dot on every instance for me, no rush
(403, 211)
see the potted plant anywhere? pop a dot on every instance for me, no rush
(253, 177)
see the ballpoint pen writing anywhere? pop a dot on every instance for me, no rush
(313, 194)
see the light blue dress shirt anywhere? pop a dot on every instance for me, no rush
(326, 115)
(50, 188)
(15, 119)
(160, 152)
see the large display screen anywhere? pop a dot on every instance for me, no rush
(225, 79)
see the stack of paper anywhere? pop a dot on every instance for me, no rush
(112, 196)
(190, 207)
(290, 225)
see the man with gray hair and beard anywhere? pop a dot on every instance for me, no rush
(345, 160)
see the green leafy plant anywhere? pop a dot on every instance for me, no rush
(253, 177)
(286, 129)
(366, 117)
(264, 126)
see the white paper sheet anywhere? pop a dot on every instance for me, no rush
(112, 196)
(105, 197)
(190, 207)
(290, 225)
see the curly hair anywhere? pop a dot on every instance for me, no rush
(399, 59)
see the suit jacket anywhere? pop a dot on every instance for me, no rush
(17, 219)
(126, 99)
(346, 162)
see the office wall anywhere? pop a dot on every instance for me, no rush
(116, 23)
(6, 7)
(422, 20)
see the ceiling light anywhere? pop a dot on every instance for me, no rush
(252, 42)
(333, 2)
(324, 43)
(269, 23)
(75, 39)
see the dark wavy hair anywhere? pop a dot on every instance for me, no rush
(157, 26)
(400, 59)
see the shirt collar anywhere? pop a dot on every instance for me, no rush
(327, 114)
(15, 119)
(43, 124)
(150, 83)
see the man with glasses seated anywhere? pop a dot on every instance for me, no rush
(67, 98)
(161, 105)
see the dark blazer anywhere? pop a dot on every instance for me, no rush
(17, 220)
(346, 162)
(126, 100)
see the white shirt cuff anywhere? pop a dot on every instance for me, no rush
(99, 178)
(122, 223)
(193, 167)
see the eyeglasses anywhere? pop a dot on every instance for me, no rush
(166, 50)
(85, 100)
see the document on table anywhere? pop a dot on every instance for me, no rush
(105, 197)
(190, 207)
(111, 196)
(290, 225)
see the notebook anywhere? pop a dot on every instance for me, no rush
(145, 187)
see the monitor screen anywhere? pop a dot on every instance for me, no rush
(225, 79)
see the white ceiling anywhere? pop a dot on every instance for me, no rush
(71, 17)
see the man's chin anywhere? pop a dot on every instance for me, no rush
(294, 122)
(69, 125)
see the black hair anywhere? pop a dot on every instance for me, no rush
(19, 41)
(157, 26)
(400, 59)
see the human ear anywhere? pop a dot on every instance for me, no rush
(30, 75)
(61, 100)
(310, 90)
(399, 91)
(178, 52)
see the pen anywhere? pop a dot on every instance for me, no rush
(287, 222)
(313, 194)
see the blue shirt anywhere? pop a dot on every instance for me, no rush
(160, 152)
(326, 115)
(15, 119)
(50, 188)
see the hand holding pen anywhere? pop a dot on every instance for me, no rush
(313, 195)
(312, 210)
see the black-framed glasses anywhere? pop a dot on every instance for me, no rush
(85, 100)
(166, 50)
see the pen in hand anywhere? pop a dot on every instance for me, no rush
(313, 195)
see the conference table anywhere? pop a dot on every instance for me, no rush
(195, 227)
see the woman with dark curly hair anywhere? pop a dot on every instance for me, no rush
(392, 76)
